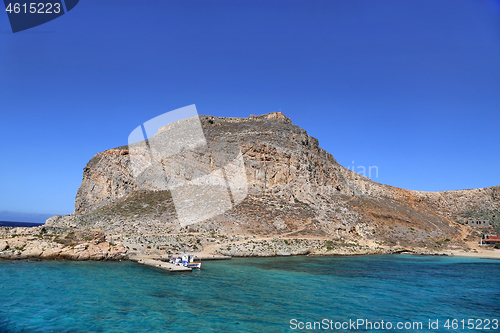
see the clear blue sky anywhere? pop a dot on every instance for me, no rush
(412, 87)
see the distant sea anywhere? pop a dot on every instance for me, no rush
(250, 295)
(19, 224)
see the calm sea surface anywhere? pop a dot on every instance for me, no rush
(19, 224)
(247, 295)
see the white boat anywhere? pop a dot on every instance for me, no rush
(186, 260)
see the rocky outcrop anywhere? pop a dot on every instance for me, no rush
(105, 177)
(281, 160)
(48, 243)
(299, 200)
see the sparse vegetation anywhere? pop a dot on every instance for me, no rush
(329, 245)
(138, 203)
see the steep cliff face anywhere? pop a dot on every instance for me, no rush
(295, 189)
(105, 177)
(279, 157)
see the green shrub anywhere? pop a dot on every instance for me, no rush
(497, 246)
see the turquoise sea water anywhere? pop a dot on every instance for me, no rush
(246, 295)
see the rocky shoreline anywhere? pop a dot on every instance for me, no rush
(50, 243)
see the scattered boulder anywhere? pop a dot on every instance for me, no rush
(3, 246)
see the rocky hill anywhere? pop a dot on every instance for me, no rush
(298, 200)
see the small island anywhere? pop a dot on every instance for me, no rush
(298, 201)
